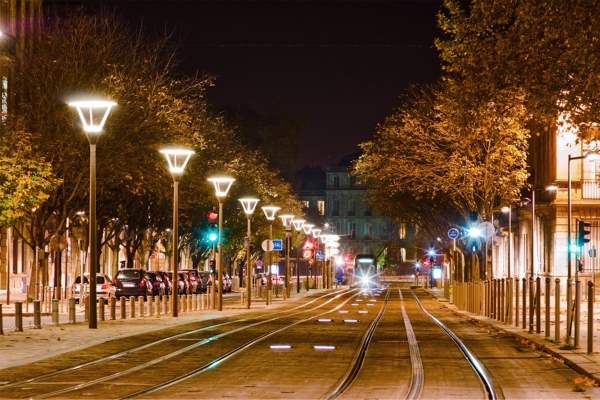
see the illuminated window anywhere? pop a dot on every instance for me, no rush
(402, 231)
(305, 203)
(321, 206)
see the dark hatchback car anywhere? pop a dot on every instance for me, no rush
(132, 282)
(158, 286)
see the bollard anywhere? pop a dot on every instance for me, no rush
(141, 302)
(55, 312)
(531, 304)
(101, 302)
(18, 316)
(557, 310)
(27, 299)
(524, 303)
(516, 302)
(37, 315)
(132, 306)
(159, 302)
(242, 298)
(72, 310)
(86, 314)
(168, 303)
(590, 324)
(189, 300)
(547, 304)
(123, 308)
(202, 302)
(502, 300)
(1, 323)
(151, 306)
(538, 305)
(113, 308)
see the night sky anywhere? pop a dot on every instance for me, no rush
(340, 65)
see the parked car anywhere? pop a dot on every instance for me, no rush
(158, 285)
(183, 284)
(202, 278)
(205, 280)
(225, 283)
(132, 282)
(167, 281)
(102, 285)
(191, 279)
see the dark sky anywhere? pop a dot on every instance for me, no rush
(340, 65)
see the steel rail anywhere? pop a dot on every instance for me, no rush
(191, 347)
(153, 343)
(418, 374)
(473, 361)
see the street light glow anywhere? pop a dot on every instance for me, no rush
(177, 158)
(93, 122)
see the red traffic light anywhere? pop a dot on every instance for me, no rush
(212, 216)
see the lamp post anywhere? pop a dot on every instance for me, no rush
(93, 114)
(298, 224)
(307, 230)
(249, 204)
(316, 233)
(286, 220)
(222, 185)
(591, 156)
(270, 212)
(177, 159)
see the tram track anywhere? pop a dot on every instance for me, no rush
(271, 317)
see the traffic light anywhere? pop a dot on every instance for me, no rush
(584, 233)
(213, 218)
(211, 265)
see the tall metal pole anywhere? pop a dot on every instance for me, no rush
(175, 257)
(569, 288)
(269, 248)
(93, 324)
(298, 265)
(287, 261)
(219, 266)
(248, 269)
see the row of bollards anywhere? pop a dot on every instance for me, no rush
(511, 300)
(153, 306)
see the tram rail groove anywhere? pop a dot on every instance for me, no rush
(473, 361)
(166, 339)
(213, 362)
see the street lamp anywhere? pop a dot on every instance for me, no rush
(222, 185)
(249, 205)
(591, 156)
(270, 212)
(286, 219)
(298, 224)
(307, 230)
(177, 159)
(93, 114)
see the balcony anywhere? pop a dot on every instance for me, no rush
(590, 189)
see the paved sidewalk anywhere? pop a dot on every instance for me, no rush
(18, 348)
(578, 359)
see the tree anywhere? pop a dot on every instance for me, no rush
(547, 50)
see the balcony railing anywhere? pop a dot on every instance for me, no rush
(590, 189)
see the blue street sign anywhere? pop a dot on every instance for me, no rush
(277, 244)
(453, 233)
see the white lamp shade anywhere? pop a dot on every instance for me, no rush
(316, 232)
(592, 156)
(286, 219)
(222, 184)
(298, 224)
(93, 113)
(307, 228)
(270, 212)
(177, 159)
(249, 205)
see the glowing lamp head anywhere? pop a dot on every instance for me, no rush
(222, 184)
(93, 113)
(474, 232)
(270, 212)
(177, 159)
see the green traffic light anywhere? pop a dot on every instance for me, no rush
(212, 237)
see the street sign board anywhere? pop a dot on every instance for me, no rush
(307, 254)
(277, 244)
(267, 245)
(453, 233)
(259, 263)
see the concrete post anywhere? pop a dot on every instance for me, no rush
(538, 305)
(141, 302)
(123, 308)
(524, 303)
(557, 310)
(101, 302)
(151, 306)
(577, 312)
(590, 322)
(18, 316)
(547, 305)
(86, 313)
(113, 308)
(132, 306)
(72, 318)
(1, 323)
(55, 312)
(37, 316)
(516, 302)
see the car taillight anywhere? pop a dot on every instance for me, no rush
(73, 287)
(142, 283)
(155, 283)
(104, 287)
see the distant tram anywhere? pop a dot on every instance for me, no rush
(365, 270)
